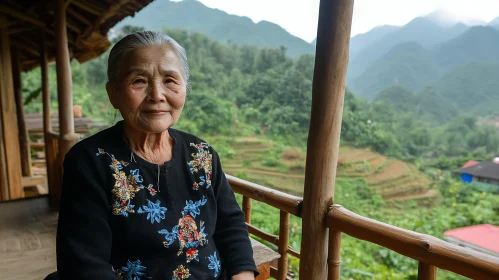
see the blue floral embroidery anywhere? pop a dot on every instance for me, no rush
(169, 236)
(155, 212)
(192, 208)
(137, 176)
(187, 232)
(214, 264)
(132, 271)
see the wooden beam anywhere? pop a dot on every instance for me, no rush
(280, 200)
(21, 45)
(328, 89)
(73, 27)
(32, 181)
(79, 17)
(86, 7)
(9, 120)
(19, 15)
(21, 122)
(21, 29)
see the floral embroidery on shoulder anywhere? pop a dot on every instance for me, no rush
(214, 264)
(202, 160)
(125, 186)
(181, 273)
(187, 232)
(132, 271)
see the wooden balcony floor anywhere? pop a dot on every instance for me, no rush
(27, 239)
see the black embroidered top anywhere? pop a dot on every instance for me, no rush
(122, 217)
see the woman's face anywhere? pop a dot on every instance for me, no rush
(149, 90)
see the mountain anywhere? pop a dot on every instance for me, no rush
(407, 64)
(412, 66)
(480, 43)
(398, 96)
(420, 30)
(447, 19)
(362, 41)
(472, 87)
(435, 108)
(194, 16)
(494, 22)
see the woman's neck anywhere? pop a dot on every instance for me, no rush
(153, 147)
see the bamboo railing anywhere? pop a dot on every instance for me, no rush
(286, 203)
(431, 252)
(54, 169)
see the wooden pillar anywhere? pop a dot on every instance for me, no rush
(47, 124)
(331, 61)
(4, 185)
(10, 139)
(64, 93)
(21, 123)
(50, 153)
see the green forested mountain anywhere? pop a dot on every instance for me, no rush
(407, 64)
(427, 105)
(433, 108)
(362, 41)
(449, 63)
(480, 43)
(472, 87)
(398, 96)
(421, 30)
(194, 16)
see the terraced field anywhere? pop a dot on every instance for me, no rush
(259, 161)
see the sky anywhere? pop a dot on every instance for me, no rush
(299, 17)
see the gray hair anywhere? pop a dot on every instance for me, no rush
(143, 39)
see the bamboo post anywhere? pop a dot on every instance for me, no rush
(47, 124)
(4, 184)
(331, 61)
(333, 262)
(64, 95)
(50, 163)
(10, 139)
(247, 209)
(282, 263)
(21, 122)
(427, 271)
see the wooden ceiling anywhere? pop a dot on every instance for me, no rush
(88, 22)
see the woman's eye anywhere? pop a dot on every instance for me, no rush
(139, 81)
(169, 81)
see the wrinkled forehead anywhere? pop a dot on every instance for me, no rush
(161, 57)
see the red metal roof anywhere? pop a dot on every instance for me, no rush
(485, 236)
(470, 163)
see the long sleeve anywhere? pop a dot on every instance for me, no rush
(84, 236)
(231, 234)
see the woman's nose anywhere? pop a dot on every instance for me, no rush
(157, 93)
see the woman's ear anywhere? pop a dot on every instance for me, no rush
(111, 94)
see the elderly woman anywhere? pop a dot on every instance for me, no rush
(142, 200)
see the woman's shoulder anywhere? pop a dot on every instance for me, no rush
(86, 148)
(190, 140)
